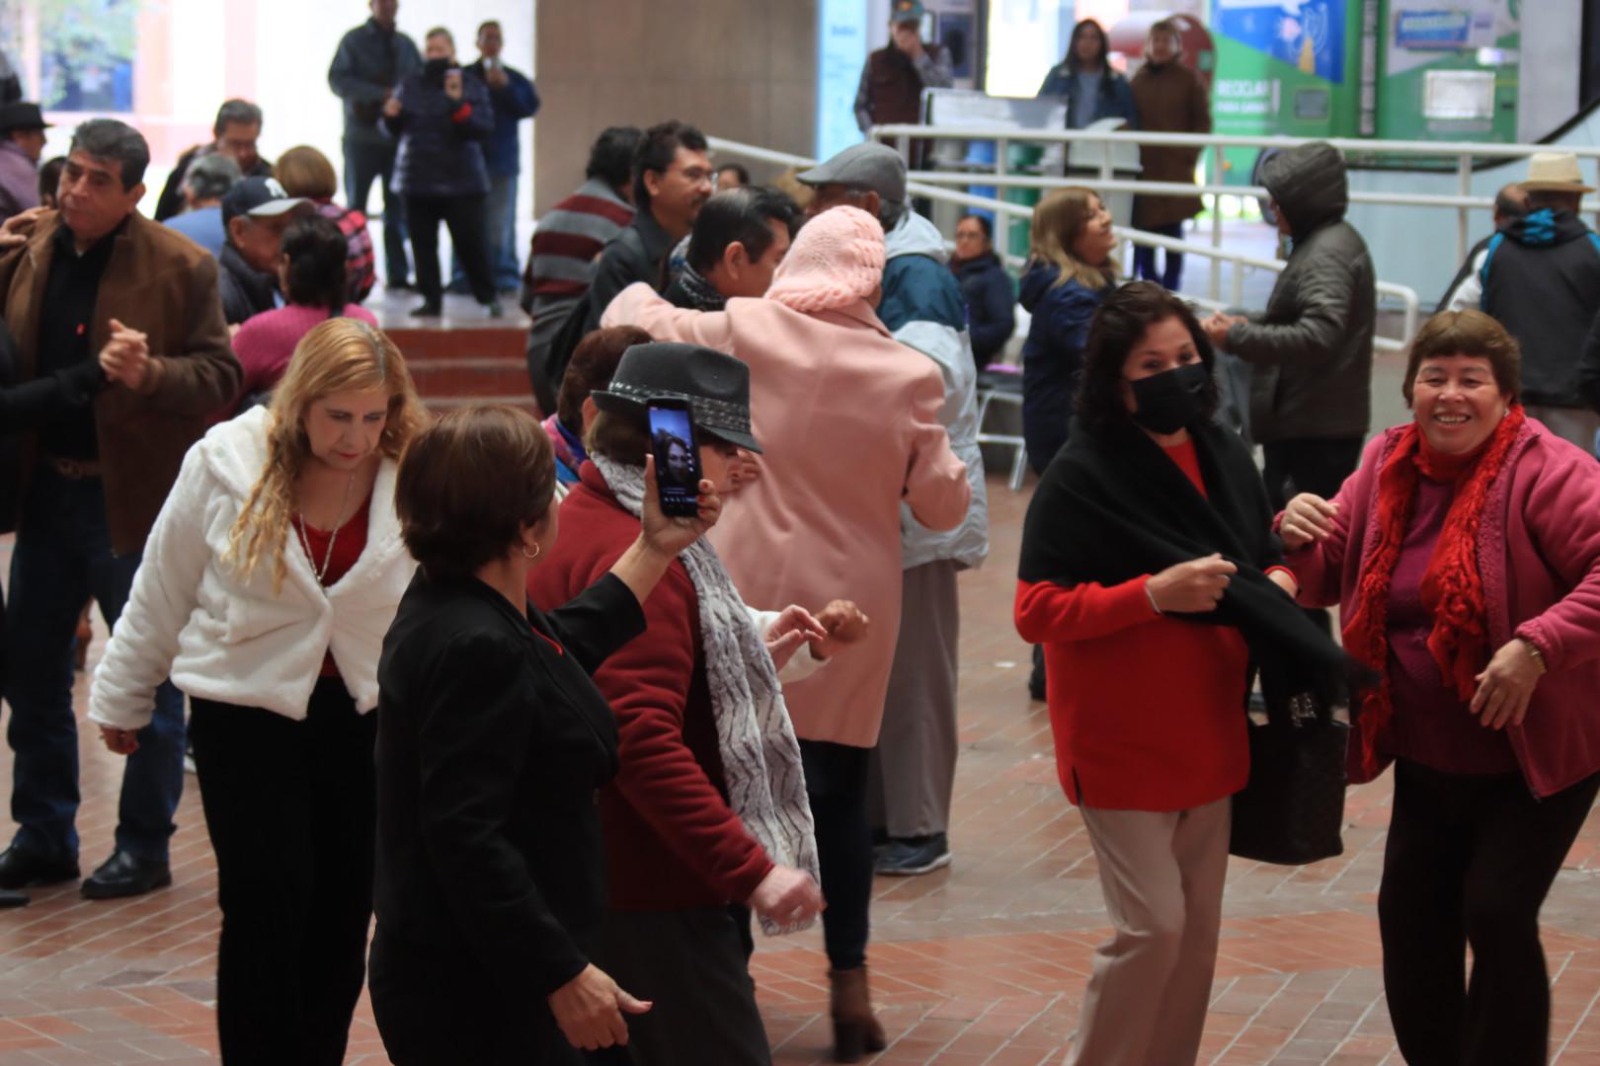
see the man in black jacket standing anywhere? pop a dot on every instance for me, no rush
(234, 134)
(1310, 351)
(372, 60)
(1541, 281)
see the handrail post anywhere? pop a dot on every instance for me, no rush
(1464, 171)
(1216, 223)
(1002, 148)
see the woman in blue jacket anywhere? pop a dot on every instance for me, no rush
(990, 296)
(1070, 270)
(1092, 89)
(442, 117)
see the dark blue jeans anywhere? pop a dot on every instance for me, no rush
(62, 558)
(364, 164)
(1144, 259)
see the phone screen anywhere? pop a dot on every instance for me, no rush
(672, 441)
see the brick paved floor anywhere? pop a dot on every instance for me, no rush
(983, 963)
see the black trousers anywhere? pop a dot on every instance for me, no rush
(291, 812)
(836, 783)
(468, 219)
(692, 966)
(1469, 862)
(363, 164)
(1170, 277)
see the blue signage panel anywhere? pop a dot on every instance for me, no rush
(841, 53)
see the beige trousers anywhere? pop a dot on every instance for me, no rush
(1162, 875)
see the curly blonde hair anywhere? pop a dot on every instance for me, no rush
(339, 355)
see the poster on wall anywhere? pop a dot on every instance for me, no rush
(1291, 67)
(841, 53)
(1449, 70)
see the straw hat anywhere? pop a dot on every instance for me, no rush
(1555, 171)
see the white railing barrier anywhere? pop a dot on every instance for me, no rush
(1406, 296)
(1461, 153)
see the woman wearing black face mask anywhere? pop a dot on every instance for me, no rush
(441, 117)
(1150, 574)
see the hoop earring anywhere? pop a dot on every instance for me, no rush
(531, 555)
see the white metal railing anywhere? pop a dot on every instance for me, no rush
(1406, 297)
(1462, 152)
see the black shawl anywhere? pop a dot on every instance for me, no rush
(1113, 506)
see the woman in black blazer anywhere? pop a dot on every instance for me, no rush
(492, 742)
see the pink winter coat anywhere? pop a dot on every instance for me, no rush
(849, 420)
(1539, 556)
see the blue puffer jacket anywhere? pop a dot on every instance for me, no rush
(991, 305)
(1052, 356)
(441, 140)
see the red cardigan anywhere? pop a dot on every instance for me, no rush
(1147, 712)
(671, 839)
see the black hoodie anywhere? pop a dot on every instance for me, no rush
(1311, 349)
(1542, 283)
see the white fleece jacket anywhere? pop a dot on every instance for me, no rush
(232, 640)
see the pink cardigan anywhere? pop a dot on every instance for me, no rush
(850, 423)
(1539, 555)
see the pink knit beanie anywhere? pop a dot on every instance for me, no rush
(835, 261)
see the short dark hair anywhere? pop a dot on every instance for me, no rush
(657, 149)
(241, 112)
(50, 178)
(1119, 323)
(738, 171)
(983, 223)
(1466, 333)
(744, 215)
(112, 141)
(594, 363)
(1511, 201)
(317, 274)
(469, 484)
(611, 158)
(1554, 200)
(619, 438)
(441, 31)
(486, 23)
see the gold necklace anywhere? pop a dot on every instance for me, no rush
(338, 524)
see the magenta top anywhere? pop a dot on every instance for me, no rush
(265, 342)
(1432, 724)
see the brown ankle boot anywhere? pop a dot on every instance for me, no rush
(855, 1028)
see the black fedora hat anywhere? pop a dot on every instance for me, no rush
(21, 116)
(717, 387)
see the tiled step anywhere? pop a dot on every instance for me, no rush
(441, 404)
(470, 376)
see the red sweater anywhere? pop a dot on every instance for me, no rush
(1147, 712)
(671, 839)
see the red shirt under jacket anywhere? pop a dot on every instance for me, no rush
(1147, 712)
(671, 839)
(348, 544)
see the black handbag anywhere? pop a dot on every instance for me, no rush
(1292, 810)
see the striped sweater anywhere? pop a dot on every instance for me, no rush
(566, 244)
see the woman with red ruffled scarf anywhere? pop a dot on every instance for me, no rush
(1465, 557)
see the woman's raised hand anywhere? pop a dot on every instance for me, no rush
(794, 627)
(1194, 587)
(1307, 519)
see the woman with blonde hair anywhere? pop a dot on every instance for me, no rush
(1070, 271)
(268, 581)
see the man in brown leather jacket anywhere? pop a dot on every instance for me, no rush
(97, 281)
(895, 75)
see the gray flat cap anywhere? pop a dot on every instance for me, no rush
(869, 165)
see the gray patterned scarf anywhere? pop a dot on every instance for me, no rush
(760, 755)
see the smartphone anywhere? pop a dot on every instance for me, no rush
(677, 451)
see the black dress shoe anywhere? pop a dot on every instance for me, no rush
(126, 875)
(29, 869)
(12, 899)
(427, 310)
